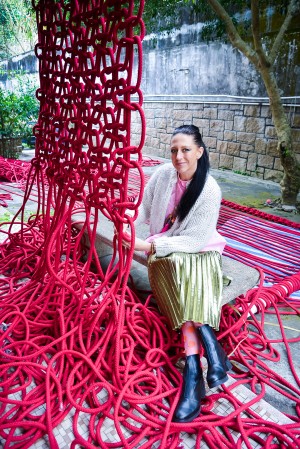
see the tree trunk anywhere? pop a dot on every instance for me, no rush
(10, 147)
(290, 183)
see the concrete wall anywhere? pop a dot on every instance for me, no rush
(239, 137)
(24, 64)
(180, 63)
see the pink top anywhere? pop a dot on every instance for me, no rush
(215, 243)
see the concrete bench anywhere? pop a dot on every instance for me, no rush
(243, 277)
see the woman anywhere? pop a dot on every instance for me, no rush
(182, 202)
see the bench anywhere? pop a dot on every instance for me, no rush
(243, 277)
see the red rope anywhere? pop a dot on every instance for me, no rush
(259, 242)
(3, 197)
(260, 214)
(74, 338)
(13, 170)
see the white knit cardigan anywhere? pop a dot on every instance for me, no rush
(194, 232)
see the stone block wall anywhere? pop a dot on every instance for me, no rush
(239, 137)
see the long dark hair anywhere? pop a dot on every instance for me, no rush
(196, 185)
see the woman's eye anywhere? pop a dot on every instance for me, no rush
(184, 150)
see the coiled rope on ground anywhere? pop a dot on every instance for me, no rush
(74, 338)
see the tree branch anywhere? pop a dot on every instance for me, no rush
(232, 32)
(256, 34)
(293, 9)
(13, 23)
(255, 24)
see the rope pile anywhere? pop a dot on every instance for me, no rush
(19, 172)
(73, 338)
(257, 213)
(266, 241)
(13, 170)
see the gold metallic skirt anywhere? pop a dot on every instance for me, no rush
(188, 287)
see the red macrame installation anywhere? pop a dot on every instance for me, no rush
(73, 339)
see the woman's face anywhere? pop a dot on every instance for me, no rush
(185, 154)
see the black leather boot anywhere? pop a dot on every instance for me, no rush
(193, 389)
(217, 360)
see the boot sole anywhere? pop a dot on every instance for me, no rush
(191, 418)
(223, 379)
(194, 415)
(218, 382)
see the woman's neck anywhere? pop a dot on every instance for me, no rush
(183, 177)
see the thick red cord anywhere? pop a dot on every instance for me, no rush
(73, 338)
(260, 214)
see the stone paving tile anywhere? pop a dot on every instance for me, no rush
(64, 431)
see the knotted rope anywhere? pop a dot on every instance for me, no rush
(75, 340)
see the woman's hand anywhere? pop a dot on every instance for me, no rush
(142, 245)
(139, 244)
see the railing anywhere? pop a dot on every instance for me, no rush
(225, 99)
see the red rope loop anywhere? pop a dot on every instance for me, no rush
(74, 338)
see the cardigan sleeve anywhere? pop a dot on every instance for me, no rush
(146, 204)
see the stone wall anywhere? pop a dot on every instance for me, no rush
(239, 137)
(181, 63)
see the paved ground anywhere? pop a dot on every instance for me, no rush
(251, 192)
(246, 191)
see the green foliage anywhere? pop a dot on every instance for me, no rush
(214, 28)
(18, 109)
(165, 15)
(17, 27)
(239, 172)
(5, 217)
